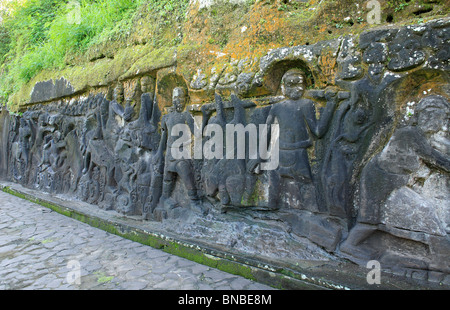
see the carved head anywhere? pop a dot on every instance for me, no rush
(433, 114)
(293, 84)
(57, 136)
(179, 99)
(243, 83)
(42, 121)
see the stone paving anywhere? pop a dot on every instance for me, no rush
(43, 250)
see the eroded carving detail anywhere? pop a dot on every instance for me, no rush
(355, 176)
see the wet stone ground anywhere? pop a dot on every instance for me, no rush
(43, 250)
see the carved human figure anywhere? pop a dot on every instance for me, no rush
(94, 186)
(144, 129)
(43, 136)
(177, 168)
(404, 189)
(24, 146)
(229, 176)
(296, 117)
(155, 190)
(53, 154)
(210, 177)
(93, 141)
(340, 157)
(43, 129)
(424, 140)
(116, 119)
(239, 183)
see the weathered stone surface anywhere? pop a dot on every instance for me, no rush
(408, 210)
(363, 152)
(48, 90)
(105, 261)
(207, 3)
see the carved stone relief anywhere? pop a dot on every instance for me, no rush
(360, 170)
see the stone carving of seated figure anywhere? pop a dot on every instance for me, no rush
(405, 190)
(412, 152)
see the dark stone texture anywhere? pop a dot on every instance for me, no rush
(48, 90)
(363, 170)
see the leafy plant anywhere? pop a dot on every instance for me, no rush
(401, 7)
(102, 278)
(5, 41)
(37, 34)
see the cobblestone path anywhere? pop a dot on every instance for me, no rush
(41, 250)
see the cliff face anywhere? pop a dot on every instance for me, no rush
(203, 41)
(361, 114)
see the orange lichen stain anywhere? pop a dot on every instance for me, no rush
(419, 84)
(323, 29)
(328, 65)
(216, 39)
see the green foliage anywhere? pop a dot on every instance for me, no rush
(32, 20)
(5, 41)
(401, 6)
(40, 34)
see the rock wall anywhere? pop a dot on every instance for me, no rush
(363, 166)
